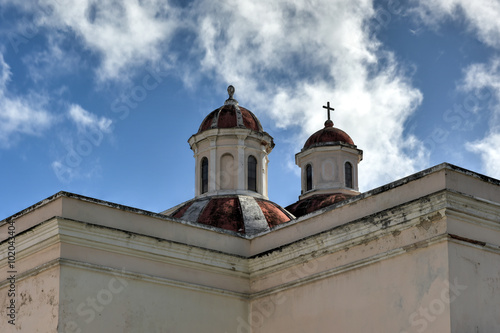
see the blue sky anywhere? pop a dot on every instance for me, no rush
(99, 97)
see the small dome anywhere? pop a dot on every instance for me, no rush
(238, 213)
(231, 116)
(328, 136)
(315, 202)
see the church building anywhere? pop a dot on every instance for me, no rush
(420, 254)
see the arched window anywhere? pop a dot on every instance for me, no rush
(309, 177)
(348, 174)
(252, 173)
(204, 175)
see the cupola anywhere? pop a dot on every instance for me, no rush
(231, 161)
(230, 151)
(329, 168)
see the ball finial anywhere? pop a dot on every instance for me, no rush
(230, 91)
(230, 100)
(328, 123)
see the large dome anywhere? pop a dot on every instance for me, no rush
(327, 136)
(239, 213)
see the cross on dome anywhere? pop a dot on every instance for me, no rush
(327, 106)
(328, 123)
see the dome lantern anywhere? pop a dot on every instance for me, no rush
(231, 152)
(329, 162)
(231, 157)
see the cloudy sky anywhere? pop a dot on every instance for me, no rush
(99, 97)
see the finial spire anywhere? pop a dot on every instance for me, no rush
(231, 100)
(230, 91)
(329, 122)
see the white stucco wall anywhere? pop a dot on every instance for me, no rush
(37, 303)
(386, 296)
(112, 301)
(475, 275)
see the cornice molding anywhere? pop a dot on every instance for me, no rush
(47, 235)
(344, 268)
(351, 233)
(473, 210)
(149, 278)
(150, 248)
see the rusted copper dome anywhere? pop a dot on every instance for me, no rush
(315, 202)
(329, 135)
(238, 213)
(231, 115)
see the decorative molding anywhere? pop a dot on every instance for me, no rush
(152, 279)
(47, 234)
(350, 233)
(146, 247)
(473, 210)
(344, 268)
(33, 271)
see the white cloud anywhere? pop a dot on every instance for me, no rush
(76, 162)
(481, 16)
(481, 81)
(489, 150)
(85, 120)
(123, 33)
(484, 80)
(287, 59)
(82, 170)
(20, 114)
(478, 76)
(52, 61)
